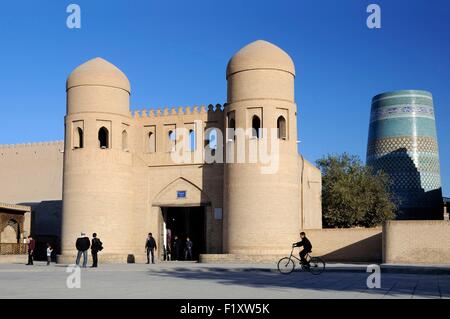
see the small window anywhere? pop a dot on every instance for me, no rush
(192, 140)
(103, 138)
(172, 137)
(124, 140)
(213, 139)
(256, 126)
(232, 128)
(151, 142)
(281, 126)
(78, 138)
(211, 136)
(232, 124)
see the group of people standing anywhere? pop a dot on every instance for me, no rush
(173, 250)
(83, 244)
(177, 250)
(32, 248)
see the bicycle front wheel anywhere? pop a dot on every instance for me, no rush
(316, 265)
(286, 265)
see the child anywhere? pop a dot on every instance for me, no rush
(307, 247)
(49, 254)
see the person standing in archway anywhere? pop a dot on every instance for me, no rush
(169, 244)
(188, 249)
(176, 248)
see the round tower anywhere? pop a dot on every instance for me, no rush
(97, 185)
(403, 143)
(261, 213)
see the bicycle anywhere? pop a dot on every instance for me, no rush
(315, 265)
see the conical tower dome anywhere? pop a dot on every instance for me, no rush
(98, 72)
(260, 55)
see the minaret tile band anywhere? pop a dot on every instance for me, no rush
(403, 143)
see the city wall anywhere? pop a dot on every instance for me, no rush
(347, 244)
(416, 242)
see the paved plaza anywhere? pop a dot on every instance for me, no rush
(192, 280)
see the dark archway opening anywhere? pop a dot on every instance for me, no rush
(78, 143)
(103, 138)
(281, 125)
(256, 126)
(185, 222)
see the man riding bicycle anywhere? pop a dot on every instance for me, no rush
(307, 248)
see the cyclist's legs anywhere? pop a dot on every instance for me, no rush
(303, 254)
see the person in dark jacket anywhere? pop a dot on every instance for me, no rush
(188, 249)
(176, 248)
(96, 246)
(82, 244)
(150, 247)
(31, 247)
(307, 247)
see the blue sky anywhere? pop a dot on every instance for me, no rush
(175, 54)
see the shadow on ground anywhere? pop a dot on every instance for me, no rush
(392, 285)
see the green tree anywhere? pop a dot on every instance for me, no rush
(353, 194)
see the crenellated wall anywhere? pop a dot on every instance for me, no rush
(157, 123)
(178, 111)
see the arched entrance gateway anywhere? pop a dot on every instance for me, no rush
(185, 211)
(179, 223)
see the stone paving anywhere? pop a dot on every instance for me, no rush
(204, 281)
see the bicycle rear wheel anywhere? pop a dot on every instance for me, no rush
(286, 265)
(316, 265)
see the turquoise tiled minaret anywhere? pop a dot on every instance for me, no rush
(403, 143)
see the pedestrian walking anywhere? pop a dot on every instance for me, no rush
(150, 248)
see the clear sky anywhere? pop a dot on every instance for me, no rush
(175, 54)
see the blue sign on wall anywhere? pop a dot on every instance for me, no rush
(181, 194)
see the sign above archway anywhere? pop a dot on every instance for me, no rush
(181, 192)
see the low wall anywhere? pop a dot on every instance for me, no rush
(106, 258)
(240, 259)
(416, 242)
(347, 244)
(13, 259)
(350, 245)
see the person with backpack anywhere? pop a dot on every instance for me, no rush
(96, 246)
